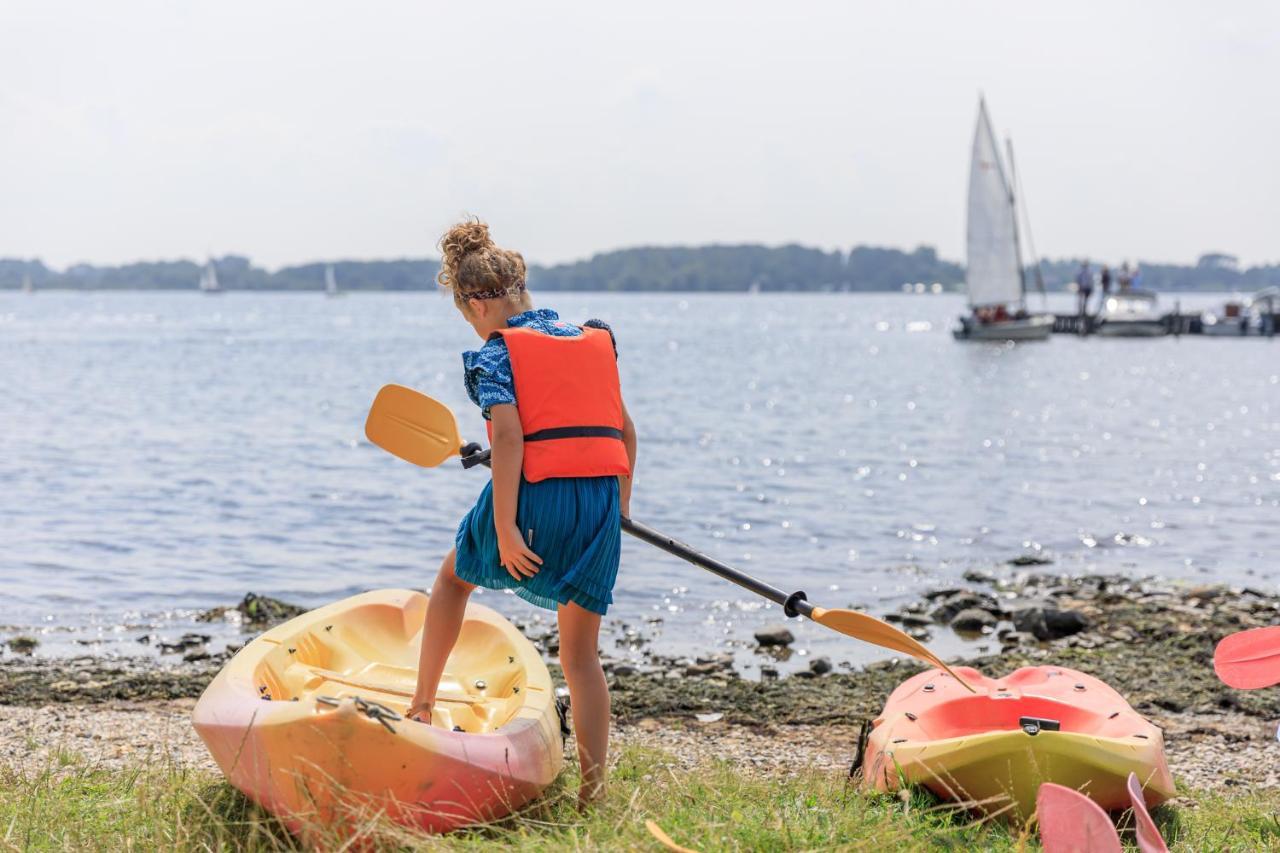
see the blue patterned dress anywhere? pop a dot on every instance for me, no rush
(572, 523)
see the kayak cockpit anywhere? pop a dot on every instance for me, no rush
(372, 652)
(990, 750)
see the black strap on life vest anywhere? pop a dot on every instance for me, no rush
(574, 432)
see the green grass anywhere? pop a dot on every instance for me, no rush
(156, 806)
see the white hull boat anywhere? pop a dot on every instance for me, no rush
(1255, 316)
(1037, 327)
(1131, 314)
(1226, 327)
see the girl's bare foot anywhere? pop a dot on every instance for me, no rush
(590, 796)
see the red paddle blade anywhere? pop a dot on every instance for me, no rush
(1070, 822)
(1149, 838)
(1250, 659)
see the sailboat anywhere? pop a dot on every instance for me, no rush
(27, 286)
(330, 282)
(994, 273)
(209, 279)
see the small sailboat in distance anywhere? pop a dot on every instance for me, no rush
(330, 282)
(209, 279)
(994, 272)
(27, 286)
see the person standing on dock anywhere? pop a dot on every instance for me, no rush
(1126, 278)
(1084, 287)
(1104, 280)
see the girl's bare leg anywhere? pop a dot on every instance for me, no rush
(440, 629)
(588, 694)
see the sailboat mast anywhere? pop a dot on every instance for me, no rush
(1013, 204)
(1026, 218)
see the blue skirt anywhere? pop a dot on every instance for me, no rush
(574, 524)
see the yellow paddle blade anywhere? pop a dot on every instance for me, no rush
(413, 426)
(860, 626)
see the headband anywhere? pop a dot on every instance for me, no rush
(496, 293)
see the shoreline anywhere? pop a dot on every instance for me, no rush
(1035, 616)
(1150, 639)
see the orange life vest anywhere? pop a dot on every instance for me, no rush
(570, 404)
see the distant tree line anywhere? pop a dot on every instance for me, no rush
(700, 268)
(1213, 271)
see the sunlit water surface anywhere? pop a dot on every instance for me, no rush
(165, 452)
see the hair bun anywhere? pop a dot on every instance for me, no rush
(465, 238)
(471, 262)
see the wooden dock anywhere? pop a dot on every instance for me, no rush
(1175, 323)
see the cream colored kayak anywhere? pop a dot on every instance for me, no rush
(306, 719)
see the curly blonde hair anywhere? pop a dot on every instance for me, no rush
(474, 267)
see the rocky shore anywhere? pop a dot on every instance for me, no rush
(1151, 639)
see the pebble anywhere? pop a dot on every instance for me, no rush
(973, 619)
(820, 665)
(954, 604)
(696, 669)
(1029, 560)
(1013, 639)
(775, 635)
(1049, 623)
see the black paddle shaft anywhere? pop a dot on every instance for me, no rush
(793, 604)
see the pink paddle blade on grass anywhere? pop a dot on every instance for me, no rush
(1070, 822)
(1250, 659)
(1149, 838)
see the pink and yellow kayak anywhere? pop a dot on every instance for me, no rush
(992, 749)
(307, 719)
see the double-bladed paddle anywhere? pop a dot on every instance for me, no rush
(1249, 659)
(1144, 828)
(423, 431)
(1070, 822)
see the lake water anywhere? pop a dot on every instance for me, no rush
(165, 452)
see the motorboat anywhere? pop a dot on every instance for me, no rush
(1131, 314)
(1253, 315)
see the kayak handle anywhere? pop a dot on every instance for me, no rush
(793, 604)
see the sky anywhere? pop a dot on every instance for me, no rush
(299, 131)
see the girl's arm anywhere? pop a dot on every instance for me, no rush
(624, 483)
(507, 460)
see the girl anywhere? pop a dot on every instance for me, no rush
(548, 524)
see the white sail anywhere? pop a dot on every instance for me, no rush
(209, 279)
(330, 281)
(993, 269)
